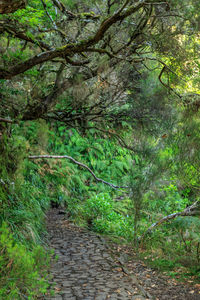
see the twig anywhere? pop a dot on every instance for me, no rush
(6, 120)
(62, 33)
(79, 164)
(71, 15)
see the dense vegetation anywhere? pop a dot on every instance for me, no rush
(114, 86)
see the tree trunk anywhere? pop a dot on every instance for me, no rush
(10, 6)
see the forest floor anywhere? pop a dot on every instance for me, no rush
(90, 267)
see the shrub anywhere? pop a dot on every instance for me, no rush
(23, 272)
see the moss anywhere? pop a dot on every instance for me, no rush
(89, 15)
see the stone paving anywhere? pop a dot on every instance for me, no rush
(84, 269)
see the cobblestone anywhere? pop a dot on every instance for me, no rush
(84, 269)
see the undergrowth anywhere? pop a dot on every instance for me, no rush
(23, 200)
(27, 189)
(23, 271)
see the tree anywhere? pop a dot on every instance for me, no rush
(72, 53)
(119, 69)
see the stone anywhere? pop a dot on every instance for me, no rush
(66, 283)
(84, 269)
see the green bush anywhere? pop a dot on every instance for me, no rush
(23, 272)
(100, 205)
(100, 212)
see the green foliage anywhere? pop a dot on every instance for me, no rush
(91, 204)
(175, 248)
(21, 269)
(23, 262)
(101, 216)
(169, 201)
(32, 185)
(122, 100)
(33, 15)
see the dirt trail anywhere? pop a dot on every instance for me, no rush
(86, 269)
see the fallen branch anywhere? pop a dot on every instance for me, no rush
(79, 164)
(193, 210)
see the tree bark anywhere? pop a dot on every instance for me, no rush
(10, 6)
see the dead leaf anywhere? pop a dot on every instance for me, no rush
(118, 269)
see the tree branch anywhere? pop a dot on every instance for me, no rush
(12, 29)
(6, 120)
(193, 210)
(71, 15)
(62, 33)
(10, 6)
(70, 49)
(79, 164)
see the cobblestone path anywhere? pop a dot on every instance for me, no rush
(84, 269)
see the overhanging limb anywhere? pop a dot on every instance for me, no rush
(79, 164)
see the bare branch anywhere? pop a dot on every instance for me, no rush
(35, 112)
(12, 29)
(62, 33)
(6, 120)
(79, 164)
(63, 9)
(71, 15)
(164, 84)
(193, 210)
